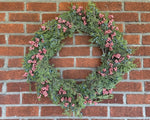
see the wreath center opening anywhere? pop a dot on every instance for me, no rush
(77, 58)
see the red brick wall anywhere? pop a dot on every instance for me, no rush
(19, 20)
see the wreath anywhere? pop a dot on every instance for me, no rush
(47, 41)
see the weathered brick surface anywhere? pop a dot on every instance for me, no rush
(21, 18)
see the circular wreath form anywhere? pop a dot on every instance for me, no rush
(99, 84)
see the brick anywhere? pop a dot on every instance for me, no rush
(141, 51)
(146, 40)
(146, 62)
(107, 119)
(2, 16)
(11, 75)
(49, 17)
(96, 51)
(136, 119)
(132, 39)
(88, 62)
(109, 6)
(128, 86)
(147, 86)
(10, 119)
(22, 111)
(11, 51)
(76, 74)
(126, 112)
(19, 39)
(67, 41)
(9, 99)
(31, 28)
(32, 99)
(139, 75)
(40, 119)
(137, 6)
(82, 40)
(62, 62)
(117, 99)
(114, 6)
(27, 50)
(147, 109)
(75, 51)
(134, 99)
(125, 17)
(137, 28)
(51, 111)
(11, 6)
(1, 85)
(1, 62)
(124, 76)
(0, 111)
(65, 6)
(24, 17)
(71, 119)
(95, 111)
(2, 39)
(137, 62)
(120, 26)
(15, 62)
(35, 6)
(11, 28)
(20, 87)
(145, 17)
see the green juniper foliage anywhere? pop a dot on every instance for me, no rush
(98, 85)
